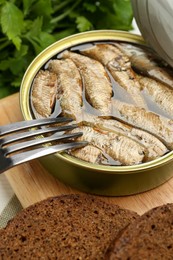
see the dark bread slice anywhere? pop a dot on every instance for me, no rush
(64, 227)
(148, 238)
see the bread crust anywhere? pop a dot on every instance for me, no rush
(149, 237)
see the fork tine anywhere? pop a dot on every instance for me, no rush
(20, 136)
(23, 145)
(31, 123)
(40, 152)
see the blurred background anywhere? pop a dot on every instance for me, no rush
(29, 26)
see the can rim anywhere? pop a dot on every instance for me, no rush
(52, 50)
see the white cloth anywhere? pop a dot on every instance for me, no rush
(6, 192)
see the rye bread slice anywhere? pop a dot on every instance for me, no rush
(64, 227)
(148, 238)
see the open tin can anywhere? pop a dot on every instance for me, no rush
(88, 177)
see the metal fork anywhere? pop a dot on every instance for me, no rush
(8, 156)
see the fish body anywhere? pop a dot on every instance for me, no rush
(147, 66)
(117, 146)
(69, 89)
(104, 53)
(159, 92)
(90, 154)
(144, 61)
(44, 90)
(133, 49)
(128, 81)
(155, 124)
(98, 89)
(119, 66)
(153, 145)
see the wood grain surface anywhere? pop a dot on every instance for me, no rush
(32, 183)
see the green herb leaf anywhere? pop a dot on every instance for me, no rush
(29, 26)
(12, 23)
(17, 42)
(83, 24)
(38, 38)
(64, 33)
(27, 4)
(2, 2)
(46, 39)
(42, 8)
(35, 27)
(90, 7)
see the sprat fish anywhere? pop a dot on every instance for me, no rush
(160, 93)
(132, 49)
(69, 89)
(119, 66)
(153, 145)
(155, 124)
(90, 154)
(98, 89)
(145, 65)
(146, 62)
(117, 146)
(104, 53)
(44, 90)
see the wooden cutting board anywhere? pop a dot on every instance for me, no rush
(32, 183)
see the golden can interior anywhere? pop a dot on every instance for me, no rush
(120, 95)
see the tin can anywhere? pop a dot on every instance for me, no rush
(87, 177)
(154, 18)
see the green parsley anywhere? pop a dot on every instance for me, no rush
(29, 26)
